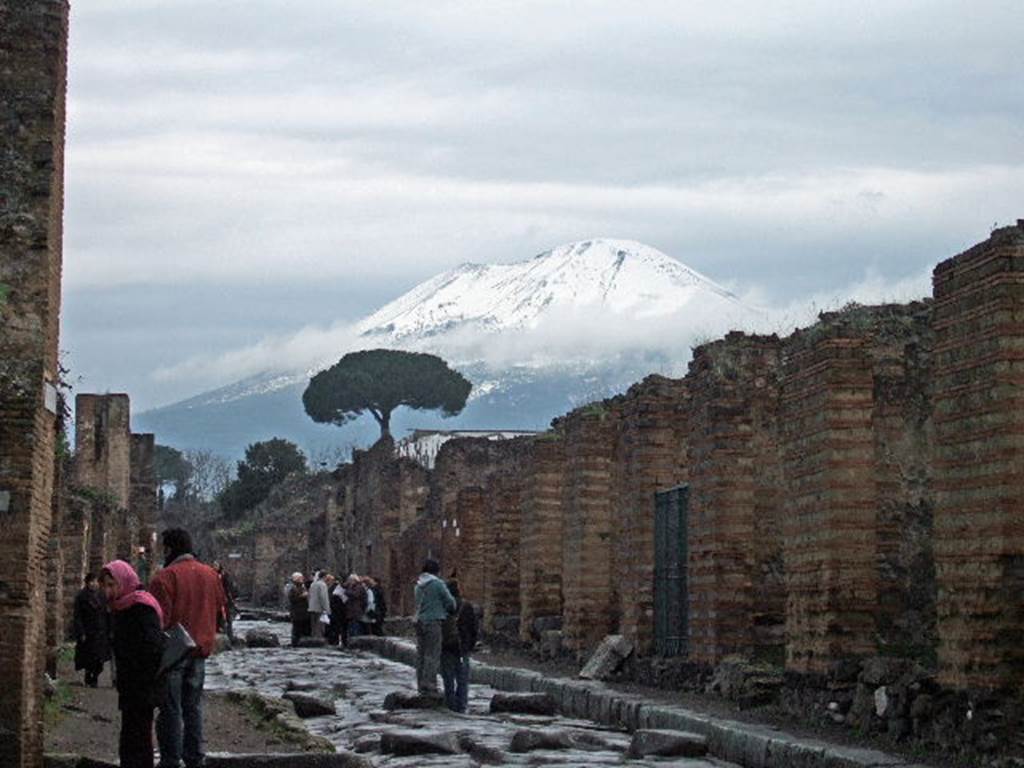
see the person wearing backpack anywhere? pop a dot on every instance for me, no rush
(459, 636)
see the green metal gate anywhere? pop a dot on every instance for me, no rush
(671, 619)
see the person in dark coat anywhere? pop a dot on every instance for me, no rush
(138, 642)
(380, 607)
(91, 630)
(298, 601)
(337, 631)
(459, 635)
(355, 605)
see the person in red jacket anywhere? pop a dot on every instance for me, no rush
(190, 593)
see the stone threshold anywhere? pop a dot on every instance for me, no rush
(749, 745)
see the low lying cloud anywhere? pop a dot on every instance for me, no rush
(576, 337)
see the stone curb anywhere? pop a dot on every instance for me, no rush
(749, 745)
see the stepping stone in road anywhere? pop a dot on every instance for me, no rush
(406, 700)
(418, 742)
(308, 705)
(666, 743)
(524, 703)
(261, 638)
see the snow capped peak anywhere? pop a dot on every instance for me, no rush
(622, 277)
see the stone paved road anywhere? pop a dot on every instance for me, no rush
(359, 683)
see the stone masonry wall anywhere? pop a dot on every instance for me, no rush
(143, 500)
(590, 605)
(856, 415)
(831, 540)
(979, 509)
(503, 534)
(540, 553)
(651, 454)
(33, 42)
(736, 590)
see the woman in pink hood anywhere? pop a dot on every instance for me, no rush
(138, 644)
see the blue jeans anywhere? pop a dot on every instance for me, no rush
(355, 628)
(455, 675)
(179, 726)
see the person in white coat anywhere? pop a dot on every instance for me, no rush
(320, 604)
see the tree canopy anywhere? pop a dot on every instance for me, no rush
(377, 381)
(172, 468)
(266, 464)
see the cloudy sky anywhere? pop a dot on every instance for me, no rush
(239, 171)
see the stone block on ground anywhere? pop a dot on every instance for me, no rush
(308, 705)
(261, 638)
(481, 753)
(666, 743)
(524, 703)
(552, 739)
(608, 657)
(746, 683)
(407, 700)
(418, 742)
(368, 743)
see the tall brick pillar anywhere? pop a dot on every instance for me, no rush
(33, 47)
(979, 470)
(143, 493)
(830, 534)
(502, 547)
(540, 554)
(103, 451)
(652, 457)
(590, 607)
(736, 585)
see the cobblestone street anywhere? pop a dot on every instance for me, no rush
(359, 681)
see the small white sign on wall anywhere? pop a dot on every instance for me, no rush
(50, 397)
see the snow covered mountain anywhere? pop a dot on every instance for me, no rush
(623, 277)
(536, 338)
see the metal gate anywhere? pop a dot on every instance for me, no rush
(671, 618)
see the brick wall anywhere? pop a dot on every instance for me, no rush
(503, 535)
(736, 588)
(75, 532)
(650, 456)
(34, 35)
(143, 501)
(979, 468)
(540, 553)
(830, 535)
(857, 430)
(590, 598)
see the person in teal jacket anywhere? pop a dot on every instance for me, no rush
(434, 603)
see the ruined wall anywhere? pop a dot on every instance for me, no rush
(33, 36)
(503, 534)
(650, 456)
(735, 571)
(142, 500)
(380, 496)
(856, 419)
(75, 535)
(590, 607)
(540, 553)
(979, 415)
(102, 466)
